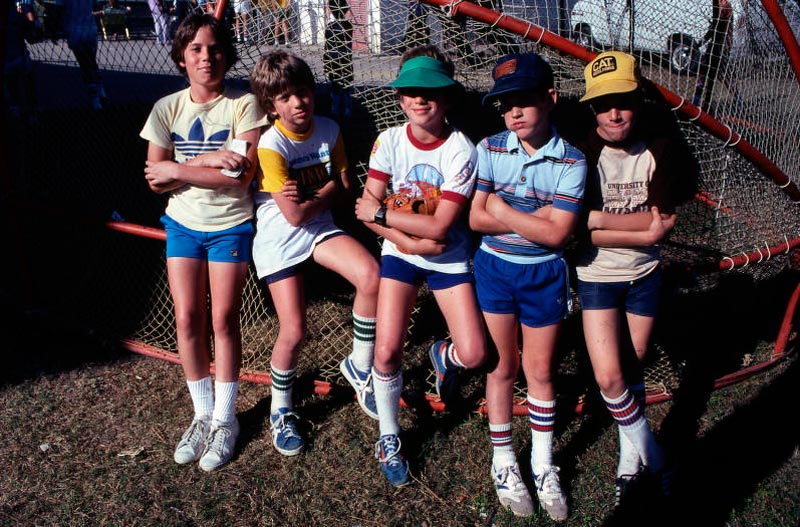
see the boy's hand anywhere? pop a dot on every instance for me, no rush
(222, 159)
(366, 207)
(161, 176)
(660, 225)
(291, 191)
(424, 247)
(420, 246)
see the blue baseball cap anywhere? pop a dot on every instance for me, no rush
(518, 72)
(424, 72)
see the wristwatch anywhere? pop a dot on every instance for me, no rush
(380, 215)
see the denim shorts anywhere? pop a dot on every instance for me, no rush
(638, 297)
(402, 271)
(538, 294)
(233, 245)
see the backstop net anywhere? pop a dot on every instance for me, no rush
(724, 74)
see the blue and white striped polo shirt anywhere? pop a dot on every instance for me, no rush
(554, 175)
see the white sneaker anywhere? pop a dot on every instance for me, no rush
(193, 441)
(220, 445)
(511, 490)
(548, 490)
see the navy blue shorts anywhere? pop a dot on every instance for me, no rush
(638, 297)
(402, 271)
(538, 294)
(234, 245)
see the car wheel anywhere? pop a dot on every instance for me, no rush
(582, 35)
(684, 54)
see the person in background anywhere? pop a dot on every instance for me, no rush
(81, 32)
(337, 58)
(19, 82)
(282, 10)
(241, 19)
(160, 13)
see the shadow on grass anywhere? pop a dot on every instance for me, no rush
(717, 473)
(36, 344)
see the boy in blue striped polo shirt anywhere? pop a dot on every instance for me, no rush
(527, 204)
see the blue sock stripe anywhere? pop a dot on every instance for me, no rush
(541, 418)
(451, 357)
(500, 439)
(626, 412)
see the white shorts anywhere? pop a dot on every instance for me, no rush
(278, 245)
(242, 6)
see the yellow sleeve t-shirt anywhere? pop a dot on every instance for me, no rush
(312, 159)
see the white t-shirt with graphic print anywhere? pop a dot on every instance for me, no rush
(446, 166)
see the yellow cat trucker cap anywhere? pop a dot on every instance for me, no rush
(610, 72)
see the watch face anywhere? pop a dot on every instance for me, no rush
(380, 215)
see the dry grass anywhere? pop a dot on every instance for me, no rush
(88, 432)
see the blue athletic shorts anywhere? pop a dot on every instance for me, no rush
(232, 245)
(639, 297)
(402, 271)
(538, 294)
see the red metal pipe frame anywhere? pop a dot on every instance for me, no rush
(257, 377)
(219, 8)
(520, 407)
(785, 33)
(679, 104)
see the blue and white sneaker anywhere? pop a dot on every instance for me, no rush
(446, 378)
(393, 464)
(361, 381)
(511, 490)
(551, 497)
(285, 439)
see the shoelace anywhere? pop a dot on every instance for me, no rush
(388, 448)
(509, 477)
(549, 481)
(286, 426)
(367, 385)
(194, 433)
(362, 384)
(217, 439)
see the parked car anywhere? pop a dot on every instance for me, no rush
(674, 29)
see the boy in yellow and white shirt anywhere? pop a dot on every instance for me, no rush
(303, 172)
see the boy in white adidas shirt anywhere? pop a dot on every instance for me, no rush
(209, 227)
